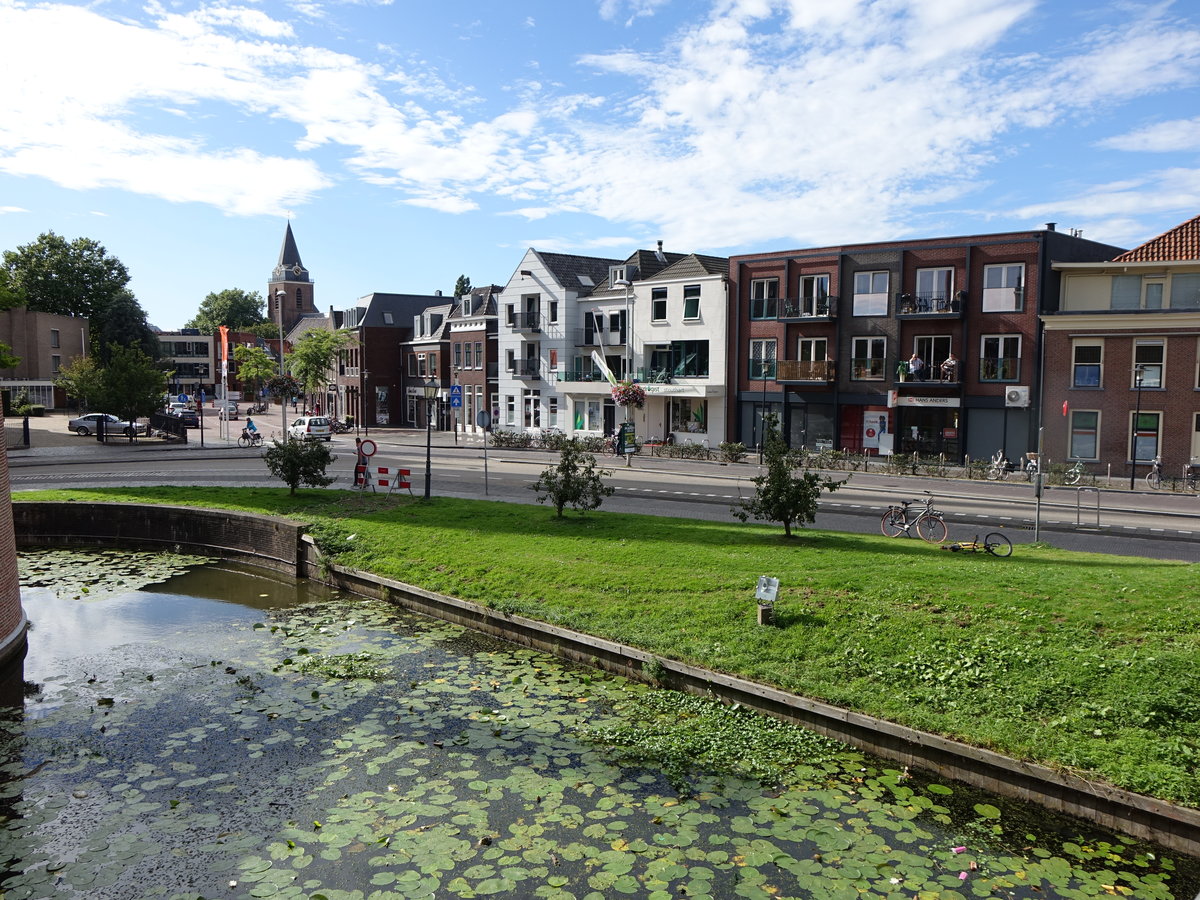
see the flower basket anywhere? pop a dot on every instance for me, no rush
(627, 393)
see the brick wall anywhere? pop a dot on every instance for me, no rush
(12, 618)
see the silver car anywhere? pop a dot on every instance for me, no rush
(89, 424)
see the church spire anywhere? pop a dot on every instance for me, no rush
(289, 267)
(290, 292)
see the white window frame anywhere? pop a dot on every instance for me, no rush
(868, 343)
(1145, 451)
(1072, 447)
(926, 346)
(806, 349)
(1153, 373)
(691, 292)
(1001, 341)
(1004, 287)
(658, 304)
(763, 354)
(873, 301)
(1194, 459)
(813, 289)
(935, 287)
(765, 291)
(1078, 344)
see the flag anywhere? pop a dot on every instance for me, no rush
(1064, 407)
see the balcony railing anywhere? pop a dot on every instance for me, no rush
(579, 375)
(936, 303)
(806, 370)
(808, 307)
(1000, 368)
(600, 337)
(526, 322)
(869, 368)
(527, 368)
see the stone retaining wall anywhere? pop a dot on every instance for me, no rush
(278, 544)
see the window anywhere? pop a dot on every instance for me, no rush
(1087, 361)
(552, 411)
(54, 337)
(764, 298)
(589, 415)
(388, 319)
(458, 356)
(1000, 357)
(412, 365)
(553, 311)
(510, 409)
(934, 287)
(689, 359)
(691, 301)
(1149, 356)
(870, 293)
(510, 315)
(688, 414)
(467, 361)
(1185, 292)
(1085, 434)
(299, 299)
(658, 304)
(1146, 431)
(479, 354)
(55, 364)
(1004, 288)
(814, 295)
(812, 355)
(510, 360)
(869, 355)
(531, 402)
(1136, 292)
(933, 349)
(1195, 457)
(762, 358)
(615, 274)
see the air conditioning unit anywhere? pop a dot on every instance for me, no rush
(1017, 396)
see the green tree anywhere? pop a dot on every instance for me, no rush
(131, 385)
(299, 462)
(75, 278)
(231, 307)
(462, 286)
(313, 357)
(779, 495)
(123, 324)
(254, 366)
(81, 380)
(575, 481)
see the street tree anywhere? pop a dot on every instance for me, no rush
(232, 307)
(313, 357)
(574, 481)
(131, 384)
(80, 379)
(781, 496)
(299, 462)
(254, 366)
(462, 286)
(123, 324)
(70, 278)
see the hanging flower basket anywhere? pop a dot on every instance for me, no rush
(283, 387)
(626, 393)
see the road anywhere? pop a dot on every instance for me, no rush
(1107, 520)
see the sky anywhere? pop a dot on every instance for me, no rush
(411, 142)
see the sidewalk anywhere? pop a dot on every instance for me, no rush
(49, 437)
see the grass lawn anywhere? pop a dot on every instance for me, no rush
(1080, 661)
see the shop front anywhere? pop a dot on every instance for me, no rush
(929, 426)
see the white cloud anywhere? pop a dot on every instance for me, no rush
(8, 210)
(1162, 137)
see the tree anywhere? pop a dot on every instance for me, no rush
(299, 462)
(131, 385)
(232, 307)
(779, 495)
(313, 356)
(462, 286)
(575, 480)
(254, 366)
(123, 324)
(76, 278)
(81, 379)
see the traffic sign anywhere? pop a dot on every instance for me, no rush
(456, 396)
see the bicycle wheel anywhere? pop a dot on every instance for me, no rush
(1153, 481)
(1072, 476)
(993, 473)
(932, 529)
(892, 523)
(997, 544)
(243, 441)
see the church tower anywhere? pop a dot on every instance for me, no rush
(290, 292)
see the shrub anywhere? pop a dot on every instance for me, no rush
(732, 451)
(299, 462)
(575, 481)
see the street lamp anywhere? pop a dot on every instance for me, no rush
(1139, 372)
(431, 390)
(279, 297)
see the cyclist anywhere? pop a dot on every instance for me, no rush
(250, 426)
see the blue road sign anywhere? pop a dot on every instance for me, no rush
(456, 396)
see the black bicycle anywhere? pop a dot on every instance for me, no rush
(250, 438)
(925, 520)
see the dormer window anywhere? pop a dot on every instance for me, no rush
(387, 319)
(615, 274)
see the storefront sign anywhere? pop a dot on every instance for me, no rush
(930, 402)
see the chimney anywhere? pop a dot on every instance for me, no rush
(1050, 226)
(439, 293)
(659, 253)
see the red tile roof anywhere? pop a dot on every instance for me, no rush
(1180, 243)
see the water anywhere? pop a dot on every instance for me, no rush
(222, 734)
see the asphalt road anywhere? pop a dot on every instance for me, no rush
(1110, 519)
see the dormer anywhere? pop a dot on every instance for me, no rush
(624, 272)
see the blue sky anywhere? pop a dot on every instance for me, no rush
(411, 142)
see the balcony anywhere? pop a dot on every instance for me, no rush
(599, 338)
(580, 376)
(797, 309)
(527, 368)
(811, 371)
(526, 323)
(926, 305)
(1000, 368)
(868, 368)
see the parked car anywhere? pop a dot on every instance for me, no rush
(171, 408)
(191, 418)
(227, 409)
(171, 401)
(112, 425)
(311, 428)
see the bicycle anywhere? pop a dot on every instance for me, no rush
(1031, 466)
(1000, 468)
(995, 543)
(1154, 477)
(250, 439)
(1191, 480)
(1074, 474)
(927, 521)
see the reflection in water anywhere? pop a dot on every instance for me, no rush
(212, 740)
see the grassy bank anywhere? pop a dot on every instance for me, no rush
(1080, 661)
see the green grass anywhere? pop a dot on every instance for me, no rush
(1081, 661)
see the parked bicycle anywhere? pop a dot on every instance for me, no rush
(925, 520)
(1000, 468)
(1074, 474)
(1154, 477)
(1191, 481)
(995, 543)
(250, 438)
(1031, 466)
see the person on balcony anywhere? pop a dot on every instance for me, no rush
(916, 367)
(950, 368)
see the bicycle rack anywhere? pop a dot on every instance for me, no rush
(1079, 492)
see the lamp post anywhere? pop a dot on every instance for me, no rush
(1139, 372)
(279, 297)
(430, 393)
